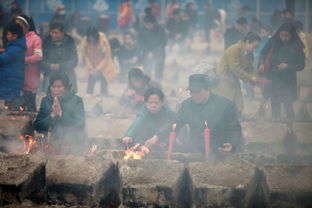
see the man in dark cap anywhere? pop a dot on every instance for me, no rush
(205, 107)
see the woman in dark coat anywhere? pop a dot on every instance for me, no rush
(282, 57)
(62, 113)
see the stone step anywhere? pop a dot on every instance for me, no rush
(305, 94)
(265, 137)
(304, 77)
(82, 180)
(22, 177)
(294, 159)
(289, 185)
(256, 109)
(224, 184)
(303, 132)
(157, 183)
(251, 108)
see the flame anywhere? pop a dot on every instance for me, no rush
(131, 154)
(21, 109)
(29, 142)
(180, 90)
(93, 149)
(174, 126)
(206, 124)
(6, 107)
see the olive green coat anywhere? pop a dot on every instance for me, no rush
(235, 65)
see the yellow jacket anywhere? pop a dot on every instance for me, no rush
(107, 65)
(235, 64)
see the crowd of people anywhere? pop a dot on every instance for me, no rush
(32, 62)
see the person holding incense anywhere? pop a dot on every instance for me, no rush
(153, 116)
(207, 110)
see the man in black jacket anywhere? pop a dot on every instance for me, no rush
(235, 34)
(59, 53)
(218, 112)
(153, 40)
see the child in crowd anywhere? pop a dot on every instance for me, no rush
(32, 59)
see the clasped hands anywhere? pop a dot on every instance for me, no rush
(56, 108)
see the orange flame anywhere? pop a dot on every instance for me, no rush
(174, 126)
(6, 107)
(180, 90)
(131, 154)
(206, 124)
(93, 149)
(29, 142)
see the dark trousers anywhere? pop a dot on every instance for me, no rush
(93, 78)
(29, 101)
(156, 63)
(276, 107)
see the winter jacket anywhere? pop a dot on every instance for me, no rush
(152, 40)
(220, 115)
(147, 124)
(63, 53)
(33, 57)
(12, 66)
(234, 65)
(284, 83)
(69, 130)
(105, 64)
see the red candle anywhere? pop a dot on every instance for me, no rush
(172, 136)
(207, 140)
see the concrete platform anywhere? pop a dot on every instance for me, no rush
(224, 184)
(157, 183)
(77, 180)
(289, 185)
(265, 137)
(22, 177)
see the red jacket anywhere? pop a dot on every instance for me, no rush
(32, 59)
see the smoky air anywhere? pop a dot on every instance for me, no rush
(153, 103)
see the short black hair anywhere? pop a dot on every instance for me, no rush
(93, 33)
(57, 25)
(252, 37)
(154, 91)
(114, 43)
(59, 75)
(136, 73)
(15, 29)
(242, 21)
(266, 28)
